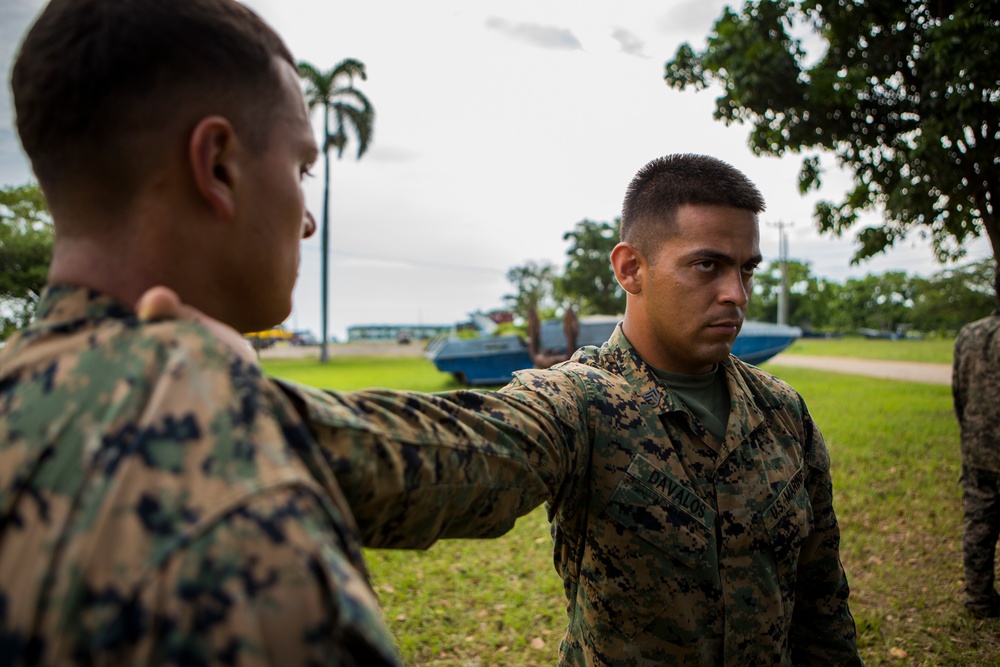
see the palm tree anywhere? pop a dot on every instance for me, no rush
(350, 110)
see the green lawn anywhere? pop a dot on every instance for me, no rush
(894, 449)
(932, 349)
(350, 373)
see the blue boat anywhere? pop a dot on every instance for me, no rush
(492, 360)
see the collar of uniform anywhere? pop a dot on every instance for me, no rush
(650, 389)
(745, 414)
(64, 306)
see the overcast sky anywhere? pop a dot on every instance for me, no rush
(499, 125)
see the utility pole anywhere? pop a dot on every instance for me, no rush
(783, 258)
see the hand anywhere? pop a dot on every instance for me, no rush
(158, 303)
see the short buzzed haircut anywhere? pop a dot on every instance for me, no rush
(94, 80)
(667, 183)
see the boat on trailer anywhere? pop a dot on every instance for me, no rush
(492, 360)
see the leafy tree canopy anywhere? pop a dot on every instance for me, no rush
(25, 253)
(534, 284)
(350, 108)
(954, 297)
(808, 295)
(941, 303)
(905, 94)
(588, 279)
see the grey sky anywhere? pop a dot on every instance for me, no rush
(489, 147)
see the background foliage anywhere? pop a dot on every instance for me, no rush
(588, 279)
(940, 304)
(905, 95)
(25, 253)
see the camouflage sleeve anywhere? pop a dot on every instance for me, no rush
(419, 467)
(823, 630)
(265, 585)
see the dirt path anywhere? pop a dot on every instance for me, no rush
(910, 371)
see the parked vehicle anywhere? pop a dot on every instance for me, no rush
(262, 340)
(492, 360)
(304, 338)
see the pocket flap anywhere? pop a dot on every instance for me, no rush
(665, 513)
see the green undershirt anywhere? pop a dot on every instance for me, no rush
(706, 395)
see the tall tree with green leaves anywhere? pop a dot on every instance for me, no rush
(877, 301)
(808, 295)
(534, 283)
(25, 253)
(349, 112)
(954, 297)
(588, 279)
(905, 94)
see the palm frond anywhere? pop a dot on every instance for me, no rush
(350, 68)
(361, 100)
(318, 85)
(349, 106)
(361, 122)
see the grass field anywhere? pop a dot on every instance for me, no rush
(932, 349)
(350, 373)
(894, 449)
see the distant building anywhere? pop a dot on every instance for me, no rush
(395, 332)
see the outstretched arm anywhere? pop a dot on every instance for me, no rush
(415, 468)
(419, 467)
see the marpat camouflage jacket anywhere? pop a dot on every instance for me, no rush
(672, 552)
(976, 389)
(164, 504)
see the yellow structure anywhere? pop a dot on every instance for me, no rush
(268, 337)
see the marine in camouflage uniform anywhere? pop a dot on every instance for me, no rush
(162, 501)
(672, 551)
(164, 504)
(976, 389)
(689, 494)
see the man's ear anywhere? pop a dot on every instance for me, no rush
(212, 153)
(628, 262)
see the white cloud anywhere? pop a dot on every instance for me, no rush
(630, 44)
(543, 36)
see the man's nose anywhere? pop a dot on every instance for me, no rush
(736, 289)
(308, 225)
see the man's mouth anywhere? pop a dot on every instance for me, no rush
(726, 326)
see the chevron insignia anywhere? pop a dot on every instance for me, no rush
(652, 397)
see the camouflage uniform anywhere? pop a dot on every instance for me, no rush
(976, 389)
(163, 503)
(672, 551)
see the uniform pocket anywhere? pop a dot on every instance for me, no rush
(789, 521)
(652, 546)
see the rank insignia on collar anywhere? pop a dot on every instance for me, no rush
(652, 397)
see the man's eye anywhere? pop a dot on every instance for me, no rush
(306, 171)
(706, 265)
